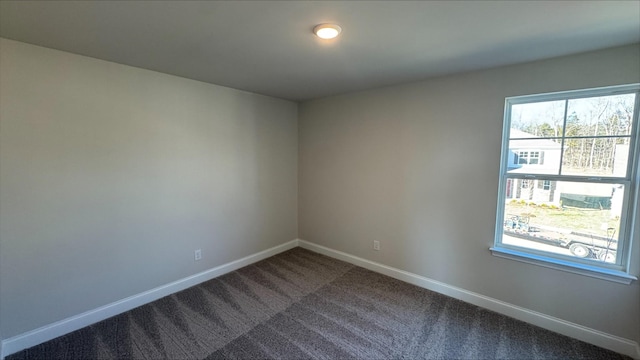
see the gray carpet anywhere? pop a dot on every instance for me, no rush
(303, 305)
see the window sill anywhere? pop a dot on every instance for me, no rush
(576, 268)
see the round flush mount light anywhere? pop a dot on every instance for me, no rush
(327, 31)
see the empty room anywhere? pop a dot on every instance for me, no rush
(319, 179)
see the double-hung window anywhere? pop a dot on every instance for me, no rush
(580, 214)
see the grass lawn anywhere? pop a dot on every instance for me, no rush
(590, 221)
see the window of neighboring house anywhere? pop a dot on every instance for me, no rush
(534, 157)
(528, 157)
(544, 184)
(523, 157)
(585, 223)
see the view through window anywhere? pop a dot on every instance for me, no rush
(568, 180)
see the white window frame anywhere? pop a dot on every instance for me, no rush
(618, 272)
(526, 157)
(523, 158)
(532, 157)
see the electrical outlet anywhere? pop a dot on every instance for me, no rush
(197, 254)
(376, 245)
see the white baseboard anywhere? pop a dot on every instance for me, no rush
(576, 331)
(26, 340)
(51, 331)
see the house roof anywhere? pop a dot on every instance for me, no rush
(521, 140)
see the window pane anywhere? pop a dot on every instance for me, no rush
(542, 119)
(570, 218)
(597, 116)
(534, 156)
(596, 156)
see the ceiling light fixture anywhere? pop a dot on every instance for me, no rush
(327, 31)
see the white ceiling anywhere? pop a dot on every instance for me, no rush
(267, 47)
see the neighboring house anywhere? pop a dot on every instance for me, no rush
(532, 155)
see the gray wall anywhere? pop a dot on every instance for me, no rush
(416, 167)
(111, 176)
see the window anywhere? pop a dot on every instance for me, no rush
(523, 157)
(577, 213)
(544, 184)
(528, 157)
(534, 157)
